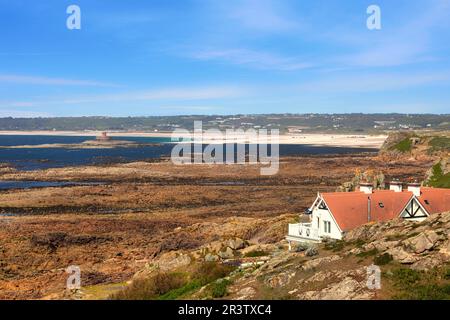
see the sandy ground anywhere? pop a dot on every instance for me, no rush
(332, 140)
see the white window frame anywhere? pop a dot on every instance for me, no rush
(327, 226)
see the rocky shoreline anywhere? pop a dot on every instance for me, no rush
(149, 209)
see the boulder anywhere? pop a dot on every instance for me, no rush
(279, 280)
(228, 253)
(211, 257)
(173, 260)
(346, 289)
(311, 252)
(381, 245)
(215, 246)
(445, 250)
(235, 244)
(259, 247)
(302, 247)
(167, 262)
(400, 255)
(423, 242)
(308, 265)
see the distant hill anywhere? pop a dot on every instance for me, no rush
(295, 123)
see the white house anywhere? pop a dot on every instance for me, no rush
(333, 214)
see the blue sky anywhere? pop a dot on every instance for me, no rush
(155, 57)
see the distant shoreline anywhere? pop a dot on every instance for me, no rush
(314, 139)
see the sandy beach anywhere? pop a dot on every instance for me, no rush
(334, 140)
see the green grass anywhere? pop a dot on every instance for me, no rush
(447, 274)
(174, 285)
(359, 243)
(335, 246)
(366, 254)
(438, 178)
(256, 253)
(403, 146)
(405, 278)
(420, 285)
(151, 288)
(440, 144)
(426, 292)
(179, 292)
(383, 259)
(219, 288)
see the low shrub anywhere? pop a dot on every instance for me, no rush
(447, 274)
(148, 289)
(420, 285)
(438, 178)
(335, 246)
(369, 253)
(211, 271)
(403, 146)
(179, 292)
(383, 259)
(405, 278)
(171, 286)
(426, 292)
(219, 288)
(359, 243)
(256, 253)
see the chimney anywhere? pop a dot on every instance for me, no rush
(414, 188)
(365, 187)
(396, 186)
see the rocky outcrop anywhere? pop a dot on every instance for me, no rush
(221, 250)
(422, 245)
(423, 242)
(320, 271)
(347, 285)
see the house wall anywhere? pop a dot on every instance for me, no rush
(318, 218)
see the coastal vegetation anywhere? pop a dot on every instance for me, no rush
(403, 146)
(420, 285)
(345, 123)
(175, 285)
(438, 178)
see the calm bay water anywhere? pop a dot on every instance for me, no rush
(42, 158)
(6, 185)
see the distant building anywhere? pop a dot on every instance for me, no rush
(103, 137)
(334, 214)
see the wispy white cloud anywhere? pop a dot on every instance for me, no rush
(375, 82)
(261, 15)
(159, 95)
(408, 43)
(22, 114)
(170, 94)
(36, 80)
(253, 59)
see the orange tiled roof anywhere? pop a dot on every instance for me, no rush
(350, 209)
(435, 200)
